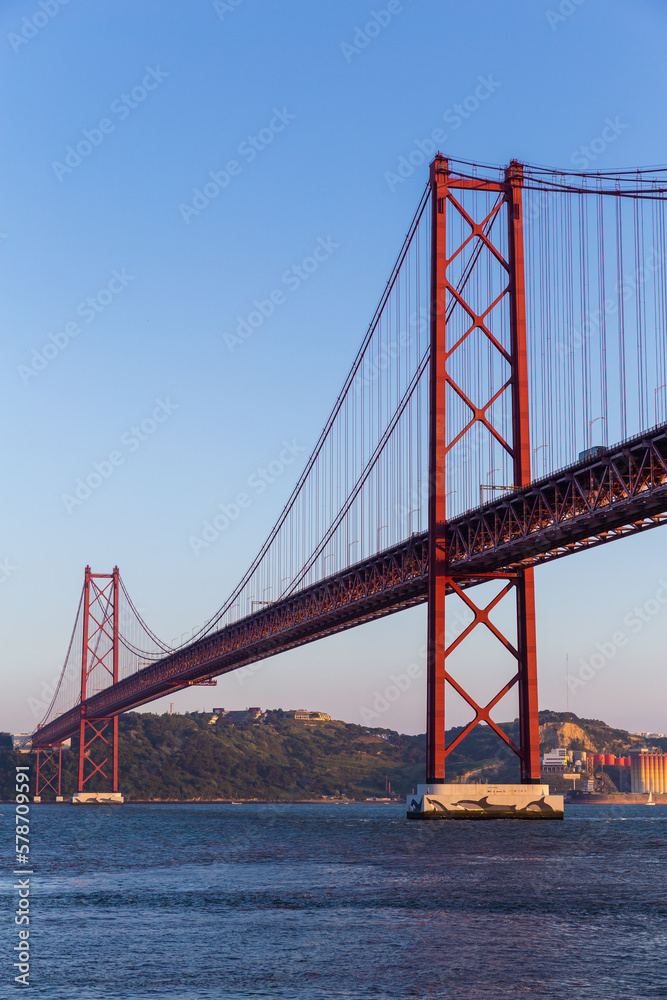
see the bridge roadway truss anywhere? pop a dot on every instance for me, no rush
(602, 498)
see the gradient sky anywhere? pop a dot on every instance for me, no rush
(340, 119)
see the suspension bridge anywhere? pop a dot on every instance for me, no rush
(507, 407)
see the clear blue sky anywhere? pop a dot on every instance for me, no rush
(169, 92)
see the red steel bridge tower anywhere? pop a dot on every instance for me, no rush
(98, 737)
(445, 296)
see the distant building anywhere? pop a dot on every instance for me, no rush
(607, 759)
(560, 759)
(303, 715)
(554, 761)
(648, 771)
(242, 715)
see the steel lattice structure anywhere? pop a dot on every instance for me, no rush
(606, 497)
(509, 329)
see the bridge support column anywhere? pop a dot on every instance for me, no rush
(98, 737)
(526, 634)
(437, 505)
(48, 771)
(447, 295)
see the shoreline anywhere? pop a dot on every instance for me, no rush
(231, 802)
(622, 798)
(630, 799)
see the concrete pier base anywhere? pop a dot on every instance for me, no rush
(97, 798)
(484, 802)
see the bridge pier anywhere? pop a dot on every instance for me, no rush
(475, 801)
(48, 772)
(97, 798)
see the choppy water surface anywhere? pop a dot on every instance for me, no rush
(223, 902)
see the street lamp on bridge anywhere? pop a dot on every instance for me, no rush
(539, 448)
(590, 426)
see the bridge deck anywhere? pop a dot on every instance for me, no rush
(602, 498)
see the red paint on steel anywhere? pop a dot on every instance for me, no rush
(590, 503)
(529, 725)
(437, 517)
(525, 605)
(98, 738)
(584, 505)
(116, 620)
(442, 378)
(84, 676)
(49, 769)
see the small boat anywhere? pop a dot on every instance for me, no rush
(649, 801)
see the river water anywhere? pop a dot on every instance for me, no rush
(223, 902)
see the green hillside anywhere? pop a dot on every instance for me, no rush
(185, 757)
(176, 757)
